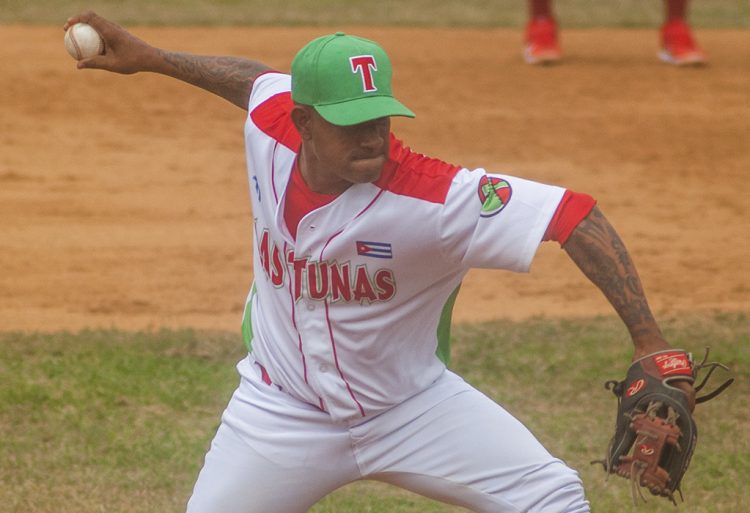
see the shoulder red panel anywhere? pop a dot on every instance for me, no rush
(273, 118)
(413, 174)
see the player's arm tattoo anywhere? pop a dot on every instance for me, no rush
(229, 77)
(598, 251)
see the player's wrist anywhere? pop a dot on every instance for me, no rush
(648, 345)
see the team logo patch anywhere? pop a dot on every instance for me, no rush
(494, 194)
(374, 249)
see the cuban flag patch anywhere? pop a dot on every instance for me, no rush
(374, 249)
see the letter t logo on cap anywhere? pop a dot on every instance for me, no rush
(365, 64)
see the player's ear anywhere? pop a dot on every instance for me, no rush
(302, 119)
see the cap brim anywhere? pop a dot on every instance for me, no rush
(357, 111)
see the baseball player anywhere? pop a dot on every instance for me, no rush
(360, 246)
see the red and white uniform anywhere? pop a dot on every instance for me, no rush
(347, 314)
(347, 325)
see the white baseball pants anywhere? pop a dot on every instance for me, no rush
(275, 454)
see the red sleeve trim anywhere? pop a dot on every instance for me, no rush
(573, 208)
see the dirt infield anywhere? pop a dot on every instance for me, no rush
(124, 200)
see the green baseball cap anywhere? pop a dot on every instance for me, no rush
(347, 79)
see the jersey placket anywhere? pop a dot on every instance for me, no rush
(316, 324)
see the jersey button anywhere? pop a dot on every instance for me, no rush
(323, 368)
(310, 306)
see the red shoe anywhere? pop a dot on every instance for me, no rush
(678, 46)
(541, 42)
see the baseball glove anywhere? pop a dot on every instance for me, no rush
(655, 434)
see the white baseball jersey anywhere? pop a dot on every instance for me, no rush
(353, 315)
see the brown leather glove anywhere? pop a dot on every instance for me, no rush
(655, 433)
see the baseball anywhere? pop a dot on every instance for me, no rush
(82, 41)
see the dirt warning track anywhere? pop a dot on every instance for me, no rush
(124, 200)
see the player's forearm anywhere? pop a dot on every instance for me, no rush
(598, 251)
(229, 77)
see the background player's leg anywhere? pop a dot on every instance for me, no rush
(540, 8)
(272, 453)
(678, 45)
(675, 9)
(469, 451)
(541, 41)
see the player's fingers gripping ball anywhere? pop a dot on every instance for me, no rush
(83, 42)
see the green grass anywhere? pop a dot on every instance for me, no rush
(119, 422)
(486, 13)
(105, 419)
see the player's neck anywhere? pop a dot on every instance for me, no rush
(317, 178)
